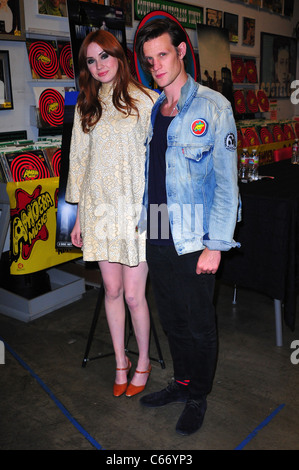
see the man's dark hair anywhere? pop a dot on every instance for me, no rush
(154, 29)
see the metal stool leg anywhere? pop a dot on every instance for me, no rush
(93, 327)
(153, 328)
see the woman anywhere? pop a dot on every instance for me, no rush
(106, 179)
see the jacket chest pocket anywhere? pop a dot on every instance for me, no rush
(195, 160)
(195, 154)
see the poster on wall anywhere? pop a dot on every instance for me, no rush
(277, 70)
(215, 60)
(230, 22)
(127, 7)
(6, 101)
(248, 31)
(273, 5)
(55, 8)
(87, 17)
(214, 17)
(12, 22)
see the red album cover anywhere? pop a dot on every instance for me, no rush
(250, 135)
(250, 71)
(240, 104)
(238, 70)
(241, 140)
(251, 101)
(51, 108)
(289, 132)
(264, 134)
(43, 59)
(65, 58)
(277, 132)
(27, 165)
(263, 101)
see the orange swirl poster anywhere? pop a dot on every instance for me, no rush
(33, 213)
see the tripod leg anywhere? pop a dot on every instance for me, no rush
(93, 324)
(130, 325)
(161, 360)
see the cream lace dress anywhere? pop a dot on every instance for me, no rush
(106, 178)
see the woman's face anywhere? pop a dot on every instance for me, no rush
(102, 66)
(282, 66)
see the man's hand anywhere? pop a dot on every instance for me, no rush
(208, 262)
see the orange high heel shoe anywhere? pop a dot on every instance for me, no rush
(119, 389)
(134, 389)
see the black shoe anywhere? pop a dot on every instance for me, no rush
(192, 417)
(173, 393)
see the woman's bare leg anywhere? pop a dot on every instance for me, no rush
(134, 287)
(112, 274)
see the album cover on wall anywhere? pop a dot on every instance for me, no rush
(49, 106)
(65, 56)
(43, 59)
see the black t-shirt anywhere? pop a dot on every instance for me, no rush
(158, 229)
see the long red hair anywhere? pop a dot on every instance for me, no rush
(89, 104)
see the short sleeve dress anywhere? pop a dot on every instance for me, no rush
(106, 178)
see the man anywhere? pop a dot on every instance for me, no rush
(191, 170)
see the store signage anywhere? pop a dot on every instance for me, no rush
(295, 354)
(187, 15)
(33, 214)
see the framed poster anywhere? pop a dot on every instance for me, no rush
(231, 24)
(55, 8)
(214, 17)
(6, 101)
(248, 31)
(277, 71)
(127, 7)
(12, 23)
(273, 5)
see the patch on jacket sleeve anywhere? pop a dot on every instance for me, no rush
(199, 127)
(230, 142)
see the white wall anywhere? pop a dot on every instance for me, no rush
(20, 117)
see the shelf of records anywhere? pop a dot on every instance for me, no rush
(266, 136)
(28, 160)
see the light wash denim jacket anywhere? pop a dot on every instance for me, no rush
(201, 170)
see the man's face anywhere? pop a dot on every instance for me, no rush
(282, 66)
(166, 62)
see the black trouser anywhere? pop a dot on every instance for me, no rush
(185, 305)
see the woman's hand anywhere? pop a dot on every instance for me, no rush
(76, 233)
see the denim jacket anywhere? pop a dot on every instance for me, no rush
(201, 170)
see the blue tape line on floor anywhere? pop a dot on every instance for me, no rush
(259, 427)
(56, 401)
